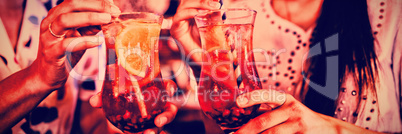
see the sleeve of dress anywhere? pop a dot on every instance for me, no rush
(385, 19)
(397, 66)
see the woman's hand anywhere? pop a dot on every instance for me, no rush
(59, 42)
(289, 116)
(162, 119)
(63, 38)
(184, 29)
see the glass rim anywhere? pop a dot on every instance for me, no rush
(127, 13)
(146, 15)
(224, 10)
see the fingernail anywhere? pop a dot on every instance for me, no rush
(151, 132)
(162, 121)
(115, 10)
(241, 101)
(104, 17)
(171, 90)
(101, 40)
(214, 4)
(200, 11)
(92, 101)
(95, 38)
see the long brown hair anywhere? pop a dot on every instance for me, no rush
(348, 19)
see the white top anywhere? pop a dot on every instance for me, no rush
(275, 34)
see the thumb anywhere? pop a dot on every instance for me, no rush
(96, 100)
(269, 97)
(170, 86)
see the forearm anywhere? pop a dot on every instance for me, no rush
(20, 93)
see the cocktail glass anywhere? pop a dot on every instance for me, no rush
(228, 68)
(133, 93)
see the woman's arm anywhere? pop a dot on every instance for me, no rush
(24, 90)
(20, 93)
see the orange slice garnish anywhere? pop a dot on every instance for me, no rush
(134, 44)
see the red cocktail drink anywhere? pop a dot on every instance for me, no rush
(228, 68)
(133, 92)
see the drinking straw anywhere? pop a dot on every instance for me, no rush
(137, 90)
(140, 99)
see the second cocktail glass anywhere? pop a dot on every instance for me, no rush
(133, 92)
(228, 68)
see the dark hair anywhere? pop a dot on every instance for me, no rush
(348, 19)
